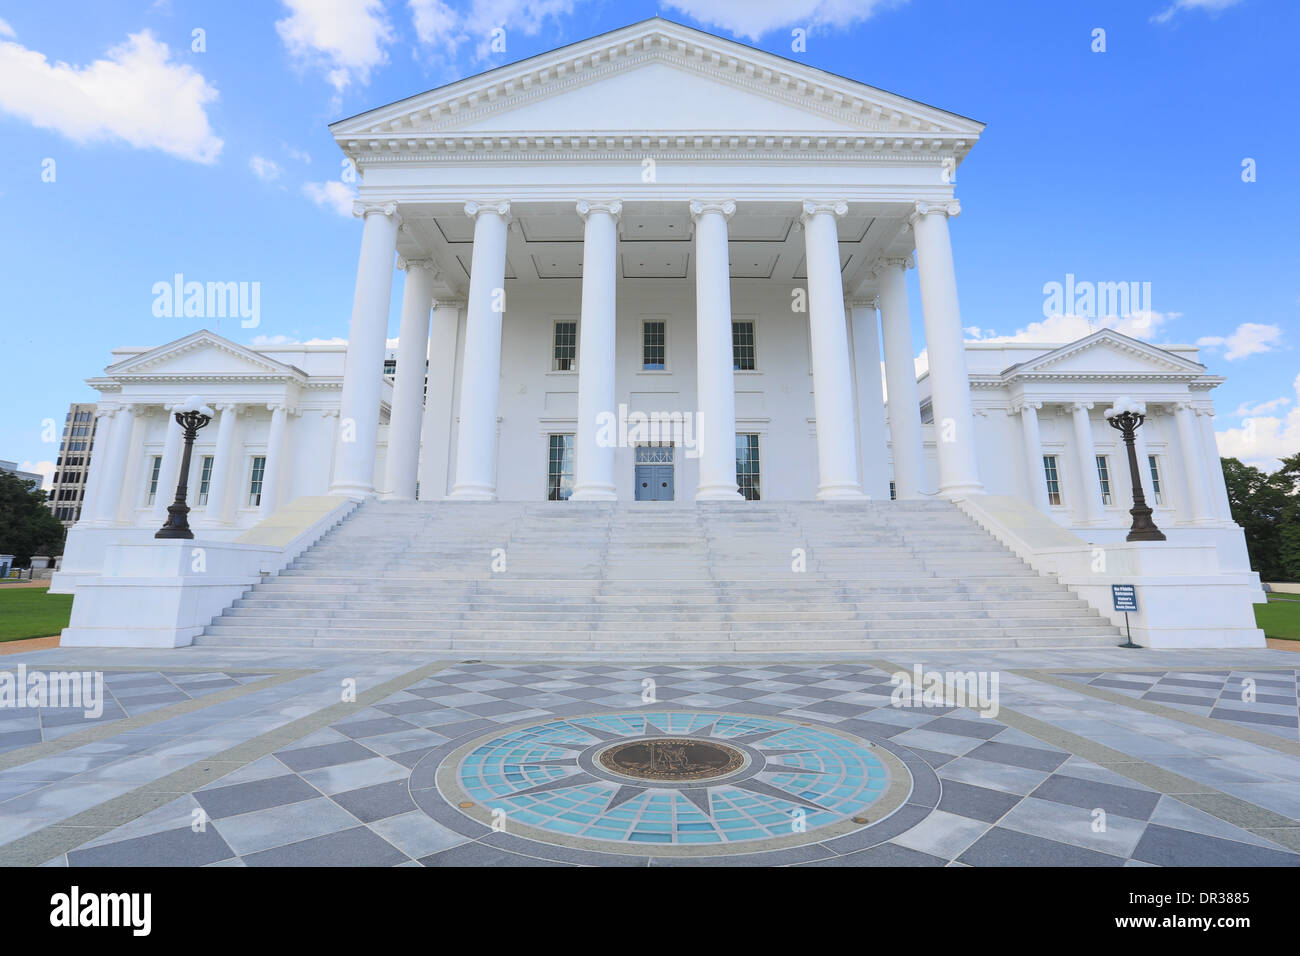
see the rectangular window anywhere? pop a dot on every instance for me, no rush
(205, 480)
(893, 492)
(564, 357)
(154, 468)
(654, 337)
(1053, 480)
(927, 414)
(1103, 478)
(255, 481)
(742, 346)
(559, 468)
(390, 367)
(747, 470)
(1155, 480)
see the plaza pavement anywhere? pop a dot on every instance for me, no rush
(227, 757)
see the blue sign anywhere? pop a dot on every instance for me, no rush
(1125, 597)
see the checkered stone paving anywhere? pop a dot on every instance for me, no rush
(389, 783)
(1261, 700)
(126, 693)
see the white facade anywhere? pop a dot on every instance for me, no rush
(655, 221)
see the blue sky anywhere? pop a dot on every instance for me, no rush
(1122, 165)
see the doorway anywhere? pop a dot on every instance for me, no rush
(654, 473)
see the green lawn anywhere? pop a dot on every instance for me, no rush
(1280, 617)
(31, 612)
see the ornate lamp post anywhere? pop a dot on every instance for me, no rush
(191, 415)
(1127, 417)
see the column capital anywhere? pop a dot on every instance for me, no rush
(838, 209)
(448, 302)
(1081, 406)
(362, 209)
(1024, 406)
(886, 263)
(223, 407)
(500, 207)
(428, 265)
(701, 207)
(864, 302)
(949, 207)
(613, 207)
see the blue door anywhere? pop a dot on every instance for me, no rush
(654, 473)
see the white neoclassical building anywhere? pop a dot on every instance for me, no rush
(658, 266)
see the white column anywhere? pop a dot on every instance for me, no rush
(480, 391)
(1193, 463)
(403, 461)
(1218, 488)
(715, 379)
(1090, 486)
(1034, 455)
(95, 462)
(949, 380)
(357, 442)
(169, 469)
(219, 482)
(435, 435)
(593, 478)
(873, 450)
(274, 469)
(837, 445)
(109, 494)
(904, 407)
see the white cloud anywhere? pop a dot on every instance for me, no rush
(1245, 408)
(264, 169)
(6, 30)
(1211, 6)
(1249, 339)
(345, 38)
(298, 154)
(333, 194)
(753, 18)
(1262, 440)
(136, 94)
(45, 469)
(1060, 329)
(439, 25)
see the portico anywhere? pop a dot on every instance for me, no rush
(624, 228)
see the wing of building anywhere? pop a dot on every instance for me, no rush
(659, 266)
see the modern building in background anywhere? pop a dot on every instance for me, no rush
(11, 467)
(73, 463)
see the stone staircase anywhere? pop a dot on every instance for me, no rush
(660, 581)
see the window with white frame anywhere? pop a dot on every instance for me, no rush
(1155, 479)
(559, 468)
(255, 476)
(564, 350)
(743, 357)
(1053, 479)
(155, 467)
(747, 467)
(654, 345)
(1103, 478)
(205, 480)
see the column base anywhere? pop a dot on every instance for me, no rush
(351, 490)
(396, 496)
(719, 493)
(840, 492)
(472, 493)
(594, 493)
(961, 491)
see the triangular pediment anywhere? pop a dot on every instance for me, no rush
(202, 354)
(658, 77)
(1106, 352)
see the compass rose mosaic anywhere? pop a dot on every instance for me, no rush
(673, 779)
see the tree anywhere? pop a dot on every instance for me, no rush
(1267, 506)
(27, 526)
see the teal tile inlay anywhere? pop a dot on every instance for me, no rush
(814, 778)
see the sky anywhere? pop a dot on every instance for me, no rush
(1147, 141)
